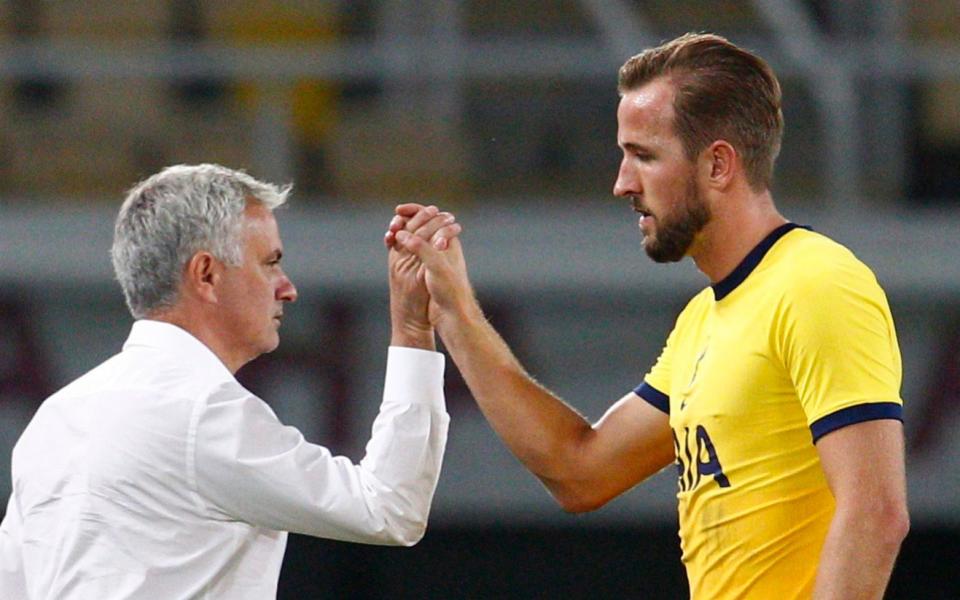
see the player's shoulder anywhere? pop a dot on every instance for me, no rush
(806, 246)
(697, 306)
(811, 262)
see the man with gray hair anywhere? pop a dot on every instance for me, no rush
(156, 474)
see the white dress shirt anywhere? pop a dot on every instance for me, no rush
(157, 475)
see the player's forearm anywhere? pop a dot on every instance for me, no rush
(859, 553)
(540, 429)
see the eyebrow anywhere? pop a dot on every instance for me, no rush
(634, 147)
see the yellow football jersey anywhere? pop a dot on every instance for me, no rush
(798, 341)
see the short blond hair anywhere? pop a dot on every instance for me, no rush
(722, 92)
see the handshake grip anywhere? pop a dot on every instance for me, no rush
(426, 271)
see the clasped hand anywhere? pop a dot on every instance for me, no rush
(427, 270)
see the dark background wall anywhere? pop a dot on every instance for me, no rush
(567, 562)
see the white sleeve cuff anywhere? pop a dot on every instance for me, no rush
(414, 376)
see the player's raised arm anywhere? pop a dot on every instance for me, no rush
(582, 465)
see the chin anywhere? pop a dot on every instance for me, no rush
(275, 344)
(271, 343)
(662, 255)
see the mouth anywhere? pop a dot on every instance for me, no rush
(639, 208)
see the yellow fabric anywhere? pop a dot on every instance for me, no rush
(806, 334)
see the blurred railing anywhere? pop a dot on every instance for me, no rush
(422, 56)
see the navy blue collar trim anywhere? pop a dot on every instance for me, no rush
(729, 283)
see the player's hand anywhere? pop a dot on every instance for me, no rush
(409, 299)
(428, 222)
(443, 265)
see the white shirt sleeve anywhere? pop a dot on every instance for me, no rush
(254, 469)
(13, 583)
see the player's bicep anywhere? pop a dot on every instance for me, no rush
(864, 465)
(631, 442)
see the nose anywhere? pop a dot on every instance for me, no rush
(626, 183)
(286, 291)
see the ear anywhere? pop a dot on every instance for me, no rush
(201, 276)
(720, 164)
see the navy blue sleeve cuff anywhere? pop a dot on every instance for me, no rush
(654, 396)
(855, 414)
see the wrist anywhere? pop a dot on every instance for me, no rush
(413, 336)
(459, 319)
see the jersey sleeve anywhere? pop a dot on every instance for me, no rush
(836, 338)
(655, 388)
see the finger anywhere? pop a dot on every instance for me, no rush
(422, 217)
(429, 228)
(389, 239)
(397, 223)
(408, 210)
(418, 246)
(442, 238)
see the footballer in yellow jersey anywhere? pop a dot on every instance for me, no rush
(777, 394)
(796, 342)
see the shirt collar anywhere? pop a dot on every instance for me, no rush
(180, 344)
(725, 286)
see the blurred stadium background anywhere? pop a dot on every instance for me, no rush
(504, 112)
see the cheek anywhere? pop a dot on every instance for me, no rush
(258, 295)
(659, 176)
(659, 190)
(672, 185)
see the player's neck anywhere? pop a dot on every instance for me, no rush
(733, 232)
